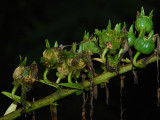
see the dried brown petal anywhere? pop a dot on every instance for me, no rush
(18, 72)
(63, 68)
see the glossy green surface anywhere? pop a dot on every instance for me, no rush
(144, 22)
(145, 45)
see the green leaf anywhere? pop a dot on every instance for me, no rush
(11, 108)
(10, 96)
(18, 98)
(42, 81)
(73, 85)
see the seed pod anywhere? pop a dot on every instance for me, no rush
(18, 72)
(81, 64)
(145, 45)
(63, 68)
(78, 63)
(27, 74)
(144, 22)
(50, 57)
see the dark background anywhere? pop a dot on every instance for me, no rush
(25, 24)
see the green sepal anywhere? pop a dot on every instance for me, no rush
(118, 28)
(124, 25)
(131, 30)
(74, 47)
(24, 61)
(109, 25)
(55, 44)
(151, 15)
(131, 36)
(80, 49)
(150, 36)
(47, 44)
(73, 85)
(86, 35)
(142, 12)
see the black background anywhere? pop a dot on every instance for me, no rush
(25, 24)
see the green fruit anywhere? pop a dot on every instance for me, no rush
(144, 22)
(145, 45)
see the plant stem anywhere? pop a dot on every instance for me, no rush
(46, 80)
(104, 54)
(61, 93)
(70, 78)
(58, 80)
(16, 86)
(138, 65)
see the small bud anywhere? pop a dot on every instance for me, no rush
(55, 44)
(47, 44)
(109, 25)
